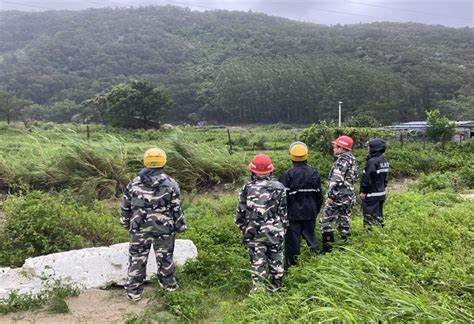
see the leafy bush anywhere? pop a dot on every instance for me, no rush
(412, 160)
(40, 223)
(5, 176)
(453, 181)
(260, 143)
(436, 182)
(466, 176)
(320, 136)
(362, 120)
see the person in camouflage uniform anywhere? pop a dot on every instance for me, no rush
(262, 218)
(340, 195)
(151, 211)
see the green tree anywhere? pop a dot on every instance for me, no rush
(11, 108)
(94, 109)
(362, 120)
(440, 128)
(135, 105)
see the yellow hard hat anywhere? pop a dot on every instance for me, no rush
(154, 158)
(298, 151)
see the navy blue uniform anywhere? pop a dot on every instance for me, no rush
(374, 182)
(304, 200)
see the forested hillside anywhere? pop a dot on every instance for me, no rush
(237, 67)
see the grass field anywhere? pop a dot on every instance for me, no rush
(418, 268)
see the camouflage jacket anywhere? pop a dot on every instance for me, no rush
(151, 203)
(261, 211)
(341, 179)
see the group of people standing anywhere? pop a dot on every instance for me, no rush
(269, 212)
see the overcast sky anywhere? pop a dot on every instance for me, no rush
(454, 13)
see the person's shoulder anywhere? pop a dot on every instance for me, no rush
(312, 168)
(346, 157)
(170, 182)
(135, 181)
(277, 184)
(245, 186)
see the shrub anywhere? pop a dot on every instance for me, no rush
(436, 182)
(466, 176)
(5, 176)
(40, 223)
(362, 120)
(260, 143)
(320, 136)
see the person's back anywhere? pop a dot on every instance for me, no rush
(151, 212)
(304, 199)
(262, 220)
(374, 182)
(259, 211)
(153, 202)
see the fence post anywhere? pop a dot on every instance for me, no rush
(401, 139)
(230, 141)
(88, 132)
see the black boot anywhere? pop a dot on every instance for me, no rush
(328, 239)
(345, 238)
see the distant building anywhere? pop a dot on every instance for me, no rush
(464, 130)
(416, 129)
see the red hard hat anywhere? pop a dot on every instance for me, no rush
(261, 164)
(344, 142)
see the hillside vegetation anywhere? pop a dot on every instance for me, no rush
(238, 67)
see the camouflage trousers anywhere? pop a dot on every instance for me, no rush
(140, 245)
(263, 255)
(341, 214)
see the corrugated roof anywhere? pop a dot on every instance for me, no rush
(424, 124)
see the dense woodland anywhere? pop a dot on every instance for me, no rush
(236, 67)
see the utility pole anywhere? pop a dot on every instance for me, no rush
(340, 103)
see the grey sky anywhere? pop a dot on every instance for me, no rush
(454, 13)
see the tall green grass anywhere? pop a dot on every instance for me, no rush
(202, 166)
(415, 269)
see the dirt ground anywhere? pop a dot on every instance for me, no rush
(469, 196)
(91, 306)
(399, 185)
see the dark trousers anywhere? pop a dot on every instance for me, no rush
(372, 208)
(293, 235)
